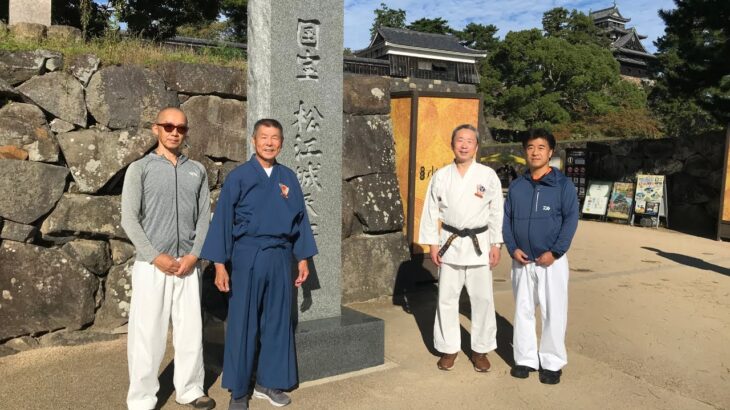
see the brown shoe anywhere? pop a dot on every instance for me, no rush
(447, 360)
(481, 363)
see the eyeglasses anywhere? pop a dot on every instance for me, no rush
(181, 129)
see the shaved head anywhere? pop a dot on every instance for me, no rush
(165, 112)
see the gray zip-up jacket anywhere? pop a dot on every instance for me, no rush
(165, 208)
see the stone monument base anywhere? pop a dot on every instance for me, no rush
(332, 346)
(325, 347)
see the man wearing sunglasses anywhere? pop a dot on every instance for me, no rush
(165, 213)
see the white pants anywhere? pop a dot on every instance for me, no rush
(548, 287)
(447, 329)
(156, 298)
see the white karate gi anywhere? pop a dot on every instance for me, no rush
(471, 201)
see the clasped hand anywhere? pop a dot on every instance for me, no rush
(171, 266)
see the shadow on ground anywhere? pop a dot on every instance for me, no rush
(690, 261)
(416, 292)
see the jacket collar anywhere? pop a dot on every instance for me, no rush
(551, 179)
(154, 155)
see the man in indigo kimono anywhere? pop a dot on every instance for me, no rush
(259, 225)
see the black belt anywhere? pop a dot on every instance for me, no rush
(462, 233)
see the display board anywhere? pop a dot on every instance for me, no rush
(650, 198)
(576, 168)
(621, 201)
(597, 196)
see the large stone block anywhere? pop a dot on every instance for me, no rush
(370, 265)
(42, 290)
(366, 95)
(114, 311)
(121, 251)
(217, 127)
(348, 209)
(29, 11)
(377, 203)
(24, 126)
(58, 93)
(93, 215)
(93, 255)
(367, 145)
(196, 79)
(127, 96)
(698, 166)
(67, 34)
(83, 67)
(29, 189)
(17, 67)
(17, 232)
(32, 32)
(13, 152)
(9, 92)
(94, 156)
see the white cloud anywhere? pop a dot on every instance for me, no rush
(507, 15)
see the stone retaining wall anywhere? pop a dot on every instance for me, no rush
(69, 129)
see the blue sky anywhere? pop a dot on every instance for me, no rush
(507, 15)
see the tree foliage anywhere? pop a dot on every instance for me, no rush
(385, 16)
(574, 26)
(236, 12)
(159, 20)
(533, 80)
(479, 36)
(71, 13)
(692, 71)
(436, 25)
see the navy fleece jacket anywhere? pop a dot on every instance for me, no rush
(540, 216)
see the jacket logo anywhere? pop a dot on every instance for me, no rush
(545, 208)
(193, 173)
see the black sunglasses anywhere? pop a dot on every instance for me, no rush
(181, 129)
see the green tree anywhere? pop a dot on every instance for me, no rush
(75, 12)
(236, 12)
(159, 20)
(535, 80)
(426, 25)
(555, 21)
(479, 36)
(692, 71)
(576, 27)
(385, 16)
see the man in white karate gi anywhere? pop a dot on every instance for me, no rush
(462, 224)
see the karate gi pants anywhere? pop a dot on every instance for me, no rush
(157, 297)
(548, 287)
(447, 329)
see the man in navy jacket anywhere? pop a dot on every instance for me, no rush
(540, 219)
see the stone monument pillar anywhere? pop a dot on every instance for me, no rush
(295, 76)
(29, 11)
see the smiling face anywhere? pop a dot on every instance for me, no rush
(267, 142)
(464, 145)
(175, 121)
(538, 154)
